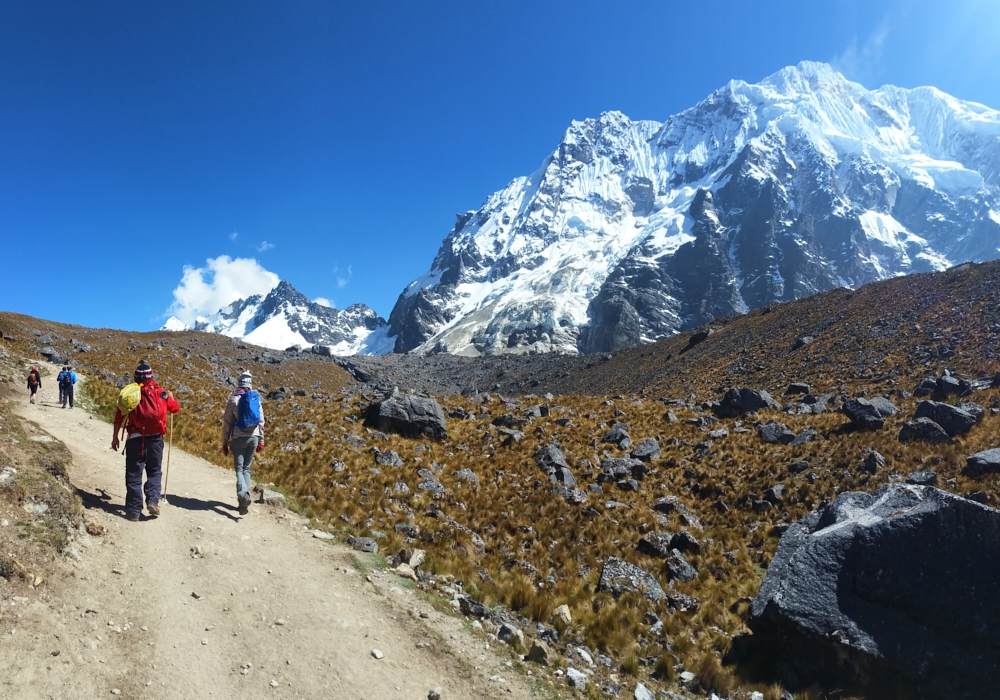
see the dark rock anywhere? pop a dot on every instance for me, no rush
(798, 467)
(863, 414)
(619, 577)
(408, 529)
(774, 432)
(923, 430)
(973, 409)
(739, 402)
(683, 603)
(873, 461)
(885, 407)
(679, 568)
(952, 419)
(618, 436)
(666, 505)
(468, 476)
(889, 594)
(805, 437)
(564, 476)
(388, 459)
(684, 541)
(630, 485)
(802, 341)
(365, 544)
(796, 388)
(511, 437)
(648, 450)
(655, 544)
(407, 415)
(473, 608)
(978, 497)
(774, 494)
(985, 462)
(926, 477)
(549, 458)
(431, 486)
(926, 387)
(275, 396)
(948, 386)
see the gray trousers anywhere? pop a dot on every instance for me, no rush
(243, 449)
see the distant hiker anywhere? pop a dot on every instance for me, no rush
(68, 379)
(143, 407)
(34, 383)
(59, 382)
(243, 435)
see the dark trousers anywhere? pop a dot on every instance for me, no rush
(142, 454)
(67, 395)
(61, 394)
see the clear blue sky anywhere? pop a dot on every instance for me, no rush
(137, 137)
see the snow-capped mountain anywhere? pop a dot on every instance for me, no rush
(635, 230)
(285, 317)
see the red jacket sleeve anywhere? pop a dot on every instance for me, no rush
(172, 405)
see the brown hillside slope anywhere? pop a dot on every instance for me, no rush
(513, 537)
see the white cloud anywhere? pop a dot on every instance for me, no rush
(343, 281)
(204, 290)
(862, 63)
(322, 301)
(233, 236)
(264, 247)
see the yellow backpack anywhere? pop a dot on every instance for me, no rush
(128, 398)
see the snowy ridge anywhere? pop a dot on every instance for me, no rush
(631, 231)
(284, 318)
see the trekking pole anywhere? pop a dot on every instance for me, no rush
(170, 444)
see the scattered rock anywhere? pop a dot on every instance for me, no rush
(776, 433)
(647, 450)
(679, 568)
(377, 653)
(563, 614)
(510, 634)
(804, 438)
(272, 497)
(923, 430)
(796, 388)
(863, 414)
(7, 475)
(643, 693)
(576, 679)
(982, 463)
(619, 577)
(540, 653)
(364, 544)
(739, 402)
(952, 419)
(873, 461)
(434, 694)
(388, 459)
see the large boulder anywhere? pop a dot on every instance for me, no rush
(619, 577)
(863, 414)
(888, 594)
(954, 420)
(739, 402)
(407, 415)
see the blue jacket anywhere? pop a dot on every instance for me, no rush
(72, 377)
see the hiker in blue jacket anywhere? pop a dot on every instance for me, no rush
(243, 435)
(66, 386)
(59, 383)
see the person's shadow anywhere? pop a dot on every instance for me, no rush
(100, 501)
(187, 503)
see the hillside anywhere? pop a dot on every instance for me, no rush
(484, 506)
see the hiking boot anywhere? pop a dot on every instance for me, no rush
(154, 511)
(244, 506)
(134, 517)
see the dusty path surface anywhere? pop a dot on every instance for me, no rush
(204, 603)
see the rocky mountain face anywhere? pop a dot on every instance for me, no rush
(285, 317)
(635, 230)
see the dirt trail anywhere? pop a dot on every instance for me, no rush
(142, 614)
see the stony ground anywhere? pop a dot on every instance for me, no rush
(202, 602)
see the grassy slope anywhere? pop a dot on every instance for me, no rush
(869, 339)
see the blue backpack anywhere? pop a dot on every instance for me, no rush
(248, 411)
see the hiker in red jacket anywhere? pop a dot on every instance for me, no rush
(146, 425)
(34, 383)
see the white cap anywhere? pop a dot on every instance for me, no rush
(246, 380)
